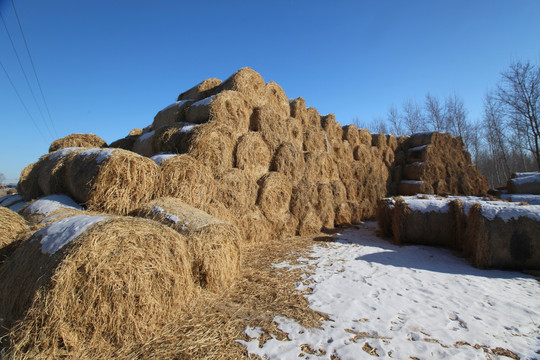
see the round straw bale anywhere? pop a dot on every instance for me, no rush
(320, 167)
(48, 208)
(111, 180)
(304, 197)
(51, 174)
(252, 155)
(392, 142)
(325, 206)
(254, 226)
(310, 223)
(344, 170)
(200, 91)
(330, 127)
(276, 98)
(135, 132)
(289, 161)
(357, 211)
(171, 114)
(351, 134)
(274, 195)
(388, 157)
(364, 136)
(354, 189)
(214, 245)
(362, 152)
(113, 283)
(13, 227)
(248, 82)
(187, 179)
(379, 141)
(126, 143)
(298, 110)
(172, 139)
(296, 132)
(284, 226)
(313, 118)
(213, 145)
(343, 214)
(78, 140)
(342, 150)
(143, 145)
(28, 185)
(339, 191)
(220, 211)
(314, 139)
(273, 128)
(236, 189)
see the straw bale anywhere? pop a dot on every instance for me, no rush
(325, 205)
(13, 228)
(298, 110)
(296, 132)
(289, 161)
(504, 243)
(384, 214)
(220, 211)
(313, 118)
(78, 140)
(213, 245)
(364, 136)
(315, 140)
(254, 226)
(252, 154)
(357, 211)
(51, 174)
(424, 138)
(135, 132)
(143, 145)
(248, 82)
(213, 145)
(200, 91)
(111, 180)
(344, 169)
(343, 214)
(229, 108)
(388, 157)
(276, 98)
(48, 208)
(339, 192)
(320, 167)
(351, 134)
(273, 128)
(28, 185)
(236, 190)
(115, 285)
(362, 152)
(435, 227)
(354, 188)
(310, 223)
(284, 226)
(126, 143)
(274, 195)
(413, 187)
(392, 142)
(379, 141)
(526, 184)
(303, 199)
(172, 139)
(171, 114)
(342, 150)
(331, 128)
(187, 179)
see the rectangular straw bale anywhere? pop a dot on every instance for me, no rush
(200, 91)
(384, 214)
(172, 114)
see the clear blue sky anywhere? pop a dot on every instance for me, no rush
(109, 66)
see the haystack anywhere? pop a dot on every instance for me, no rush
(111, 180)
(325, 206)
(274, 196)
(13, 227)
(424, 221)
(252, 155)
(86, 286)
(503, 235)
(289, 161)
(236, 190)
(213, 145)
(78, 140)
(276, 99)
(28, 185)
(187, 179)
(273, 128)
(51, 173)
(172, 114)
(50, 207)
(214, 245)
(200, 91)
(249, 83)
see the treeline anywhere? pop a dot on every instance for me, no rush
(504, 140)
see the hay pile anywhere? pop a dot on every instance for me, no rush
(13, 228)
(434, 163)
(88, 286)
(78, 140)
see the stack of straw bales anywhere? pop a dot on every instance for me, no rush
(435, 163)
(524, 183)
(13, 227)
(491, 234)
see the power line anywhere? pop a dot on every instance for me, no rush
(34, 68)
(24, 73)
(22, 102)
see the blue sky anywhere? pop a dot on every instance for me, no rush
(107, 67)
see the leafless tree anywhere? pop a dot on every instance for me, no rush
(413, 117)
(519, 92)
(394, 119)
(434, 113)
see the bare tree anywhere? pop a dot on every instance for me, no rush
(394, 119)
(434, 113)
(496, 140)
(380, 126)
(413, 117)
(519, 92)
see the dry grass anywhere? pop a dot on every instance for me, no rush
(51, 173)
(252, 154)
(236, 189)
(200, 91)
(274, 196)
(28, 185)
(78, 140)
(213, 145)
(13, 228)
(271, 125)
(289, 161)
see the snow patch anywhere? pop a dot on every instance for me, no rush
(104, 155)
(17, 206)
(159, 158)
(204, 102)
(418, 148)
(57, 155)
(89, 152)
(526, 179)
(177, 104)
(48, 204)
(412, 182)
(159, 210)
(528, 198)
(147, 135)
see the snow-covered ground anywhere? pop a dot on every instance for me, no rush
(412, 302)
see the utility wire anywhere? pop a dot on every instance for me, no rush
(25, 76)
(22, 102)
(34, 68)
